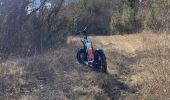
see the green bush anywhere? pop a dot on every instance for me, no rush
(157, 16)
(125, 20)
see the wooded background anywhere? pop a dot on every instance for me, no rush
(27, 27)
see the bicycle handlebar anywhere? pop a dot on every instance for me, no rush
(84, 31)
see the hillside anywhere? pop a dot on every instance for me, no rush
(138, 68)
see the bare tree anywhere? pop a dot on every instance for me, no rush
(18, 15)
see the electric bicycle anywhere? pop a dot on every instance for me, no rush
(87, 55)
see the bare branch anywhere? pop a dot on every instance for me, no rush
(35, 10)
(54, 12)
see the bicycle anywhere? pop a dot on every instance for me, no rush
(89, 56)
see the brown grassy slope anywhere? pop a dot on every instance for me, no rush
(55, 75)
(138, 68)
(148, 56)
(141, 61)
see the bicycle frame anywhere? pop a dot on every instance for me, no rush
(87, 43)
(94, 58)
(89, 49)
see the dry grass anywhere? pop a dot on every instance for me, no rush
(141, 61)
(153, 67)
(138, 69)
(147, 55)
(54, 75)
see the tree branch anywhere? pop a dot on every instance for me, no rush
(35, 10)
(54, 12)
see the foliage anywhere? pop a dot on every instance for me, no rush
(26, 27)
(125, 20)
(157, 15)
(96, 15)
